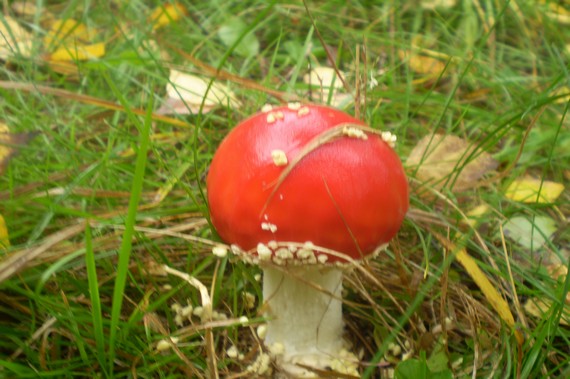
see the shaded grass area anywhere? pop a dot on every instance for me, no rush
(94, 300)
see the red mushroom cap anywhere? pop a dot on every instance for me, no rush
(349, 195)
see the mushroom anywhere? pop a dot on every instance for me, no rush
(306, 191)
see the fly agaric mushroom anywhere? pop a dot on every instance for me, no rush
(305, 191)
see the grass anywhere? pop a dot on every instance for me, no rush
(107, 192)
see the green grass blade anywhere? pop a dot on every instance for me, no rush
(127, 240)
(94, 297)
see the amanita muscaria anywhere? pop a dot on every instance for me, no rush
(305, 191)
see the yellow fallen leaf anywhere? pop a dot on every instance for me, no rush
(4, 239)
(493, 296)
(531, 190)
(422, 64)
(165, 14)
(441, 160)
(78, 52)
(14, 39)
(67, 32)
(474, 215)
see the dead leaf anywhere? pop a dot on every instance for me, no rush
(78, 52)
(165, 14)
(70, 41)
(530, 233)
(4, 239)
(324, 77)
(422, 64)
(558, 272)
(185, 94)
(67, 32)
(441, 160)
(476, 214)
(493, 296)
(531, 190)
(539, 307)
(325, 80)
(9, 144)
(14, 39)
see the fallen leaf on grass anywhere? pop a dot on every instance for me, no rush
(4, 239)
(493, 296)
(530, 233)
(531, 190)
(327, 83)
(67, 32)
(14, 39)
(477, 214)
(185, 94)
(441, 160)
(70, 41)
(325, 77)
(541, 307)
(9, 144)
(78, 52)
(422, 64)
(558, 272)
(165, 14)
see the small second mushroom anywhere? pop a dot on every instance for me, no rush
(305, 191)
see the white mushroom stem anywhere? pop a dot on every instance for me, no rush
(304, 313)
